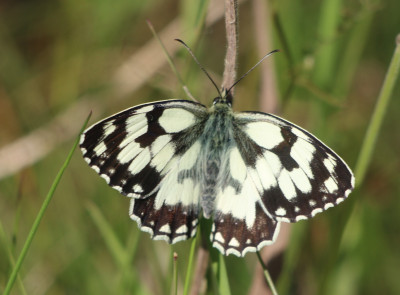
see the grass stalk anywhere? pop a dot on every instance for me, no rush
(189, 271)
(267, 275)
(363, 161)
(375, 124)
(40, 215)
(174, 289)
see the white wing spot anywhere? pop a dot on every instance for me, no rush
(109, 128)
(284, 219)
(265, 170)
(182, 229)
(286, 185)
(105, 177)
(219, 247)
(265, 134)
(312, 203)
(117, 187)
(303, 153)
(248, 241)
(233, 251)
(234, 242)
(331, 185)
(100, 148)
(347, 192)
(82, 139)
(315, 211)
(328, 162)
(280, 211)
(301, 180)
(160, 143)
(141, 161)
(145, 109)
(328, 205)
(219, 238)
(175, 120)
(301, 217)
(163, 157)
(137, 188)
(189, 158)
(237, 166)
(165, 229)
(339, 200)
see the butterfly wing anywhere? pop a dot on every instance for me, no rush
(277, 172)
(296, 174)
(140, 152)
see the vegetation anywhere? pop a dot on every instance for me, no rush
(61, 59)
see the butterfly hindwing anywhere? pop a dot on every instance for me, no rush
(171, 223)
(297, 175)
(235, 236)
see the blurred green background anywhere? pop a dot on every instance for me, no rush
(61, 59)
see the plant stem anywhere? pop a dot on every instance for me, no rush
(267, 275)
(40, 215)
(378, 115)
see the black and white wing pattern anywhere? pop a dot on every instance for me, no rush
(248, 171)
(140, 153)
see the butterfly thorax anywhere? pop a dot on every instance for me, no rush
(216, 141)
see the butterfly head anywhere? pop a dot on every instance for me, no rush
(225, 98)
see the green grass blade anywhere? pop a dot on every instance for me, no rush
(40, 215)
(174, 289)
(362, 163)
(3, 240)
(378, 115)
(267, 275)
(117, 250)
(224, 288)
(189, 271)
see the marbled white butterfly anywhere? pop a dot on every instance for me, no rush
(177, 160)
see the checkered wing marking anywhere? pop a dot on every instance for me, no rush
(232, 235)
(140, 152)
(241, 222)
(296, 175)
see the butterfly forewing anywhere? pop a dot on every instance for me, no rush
(133, 149)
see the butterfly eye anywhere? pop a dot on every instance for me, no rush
(216, 100)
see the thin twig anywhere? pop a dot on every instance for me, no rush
(231, 26)
(258, 285)
(267, 275)
(203, 257)
(229, 76)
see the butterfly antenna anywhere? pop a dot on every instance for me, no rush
(199, 64)
(253, 67)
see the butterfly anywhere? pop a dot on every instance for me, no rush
(178, 160)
